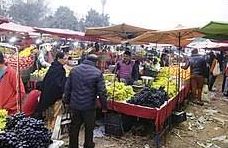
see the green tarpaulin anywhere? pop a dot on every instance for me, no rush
(215, 30)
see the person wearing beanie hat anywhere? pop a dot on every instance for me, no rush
(8, 85)
(84, 84)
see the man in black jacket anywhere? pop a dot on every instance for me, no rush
(84, 84)
(52, 87)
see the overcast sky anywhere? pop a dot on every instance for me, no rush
(154, 14)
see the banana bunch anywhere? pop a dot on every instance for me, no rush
(26, 52)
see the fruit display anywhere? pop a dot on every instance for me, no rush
(169, 86)
(7, 50)
(165, 80)
(23, 132)
(75, 53)
(174, 71)
(39, 74)
(148, 97)
(121, 91)
(26, 52)
(109, 77)
(24, 62)
(3, 115)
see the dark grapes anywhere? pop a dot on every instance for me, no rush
(25, 132)
(150, 97)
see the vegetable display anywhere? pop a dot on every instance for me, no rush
(122, 92)
(150, 97)
(23, 132)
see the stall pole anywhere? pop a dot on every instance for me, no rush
(19, 103)
(179, 67)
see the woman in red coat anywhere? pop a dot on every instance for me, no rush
(8, 88)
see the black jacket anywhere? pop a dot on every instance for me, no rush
(84, 84)
(53, 86)
(197, 65)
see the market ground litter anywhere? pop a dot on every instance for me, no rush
(206, 127)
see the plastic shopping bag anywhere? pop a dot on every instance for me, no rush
(216, 70)
(205, 94)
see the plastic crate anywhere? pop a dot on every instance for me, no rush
(114, 124)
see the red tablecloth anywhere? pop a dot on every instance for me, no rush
(159, 115)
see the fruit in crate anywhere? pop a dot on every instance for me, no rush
(3, 115)
(121, 91)
(24, 62)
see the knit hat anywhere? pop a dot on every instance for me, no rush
(92, 57)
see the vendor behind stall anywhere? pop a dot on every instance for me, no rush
(164, 58)
(8, 87)
(126, 68)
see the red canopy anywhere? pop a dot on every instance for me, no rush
(60, 32)
(12, 27)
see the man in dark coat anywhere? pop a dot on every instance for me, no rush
(84, 84)
(53, 84)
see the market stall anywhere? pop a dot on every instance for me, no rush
(158, 115)
(152, 99)
(155, 100)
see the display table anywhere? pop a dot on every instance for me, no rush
(158, 115)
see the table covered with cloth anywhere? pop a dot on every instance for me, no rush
(158, 115)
